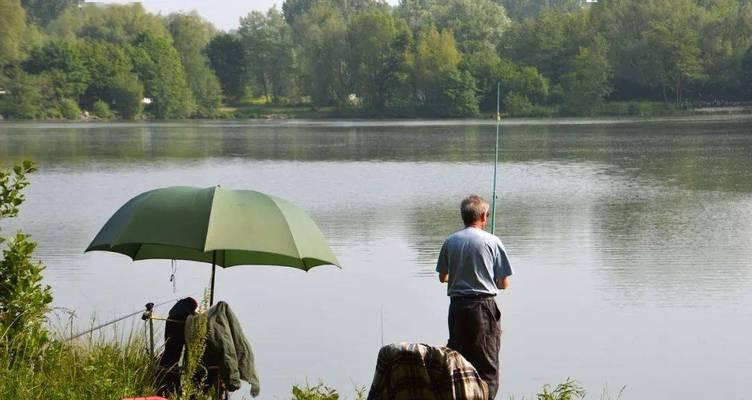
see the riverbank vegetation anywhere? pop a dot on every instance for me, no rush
(61, 59)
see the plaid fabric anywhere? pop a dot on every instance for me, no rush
(412, 371)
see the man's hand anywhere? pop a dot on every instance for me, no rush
(443, 278)
(503, 283)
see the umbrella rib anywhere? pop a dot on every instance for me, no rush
(289, 229)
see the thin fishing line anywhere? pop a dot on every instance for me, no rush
(133, 314)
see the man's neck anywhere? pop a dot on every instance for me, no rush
(477, 225)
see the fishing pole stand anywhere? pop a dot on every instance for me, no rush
(148, 316)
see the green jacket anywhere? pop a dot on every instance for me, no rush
(226, 347)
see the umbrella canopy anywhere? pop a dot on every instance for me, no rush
(215, 225)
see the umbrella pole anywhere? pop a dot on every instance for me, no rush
(214, 268)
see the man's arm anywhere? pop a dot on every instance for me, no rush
(443, 278)
(503, 283)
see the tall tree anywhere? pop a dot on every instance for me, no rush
(12, 30)
(589, 81)
(268, 44)
(673, 58)
(121, 24)
(61, 60)
(228, 60)
(476, 24)
(323, 34)
(441, 86)
(526, 9)
(191, 34)
(158, 66)
(372, 36)
(42, 12)
(111, 78)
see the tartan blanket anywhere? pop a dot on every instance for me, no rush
(413, 371)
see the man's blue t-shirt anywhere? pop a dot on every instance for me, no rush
(475, 260)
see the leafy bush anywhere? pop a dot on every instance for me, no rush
(69, 109)
(517, 104)
(24, 301)
(101, 109)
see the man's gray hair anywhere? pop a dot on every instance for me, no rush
(473, 207)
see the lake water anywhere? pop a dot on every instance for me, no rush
(631, 241)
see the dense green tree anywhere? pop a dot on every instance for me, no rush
(524, 9)
(589, 81)
(746, 75)
(111, 78)
(476, 24)
(227, 58)
(268, 43)
(27, 96)
(523, 82)
(442, 89)
(725, 33)
(292, 9)
(158, 66)
(191, 34)
(12, 30)
(120, 24)
(547, 43)
(42, 12)
(325, 52)
(61, 60)
(371, 36)
(672, 57)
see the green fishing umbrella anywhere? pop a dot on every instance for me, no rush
(215, 225)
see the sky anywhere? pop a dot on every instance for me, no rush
(224, 14)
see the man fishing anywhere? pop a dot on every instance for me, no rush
(474, 264)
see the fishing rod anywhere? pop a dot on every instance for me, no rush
(118, 320)
(496, 160)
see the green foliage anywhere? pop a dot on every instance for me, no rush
(517, 104)
(324, 50)
(69, 109)
(95, 368)
(102, 110)
(524, 9)
(61, 61)
(118, 24)
(569, 390)
(227, 59)
(746, 75)
(365, 57)
(317, 392)
(111, 80)
(378, 46)
(195, 346)
(12, 30)
(442, 88)
(589, 82)
(191, 34)
(674, 56)
(126, 94)
(158, 65)
(24, 301)
(28, 96)
(268, 45)
(41, 12)
(12, 184)
(476, 24)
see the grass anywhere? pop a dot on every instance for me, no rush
(92, 368)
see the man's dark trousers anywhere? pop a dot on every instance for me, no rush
(475, 332)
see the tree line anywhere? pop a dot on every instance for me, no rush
(439, 58)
